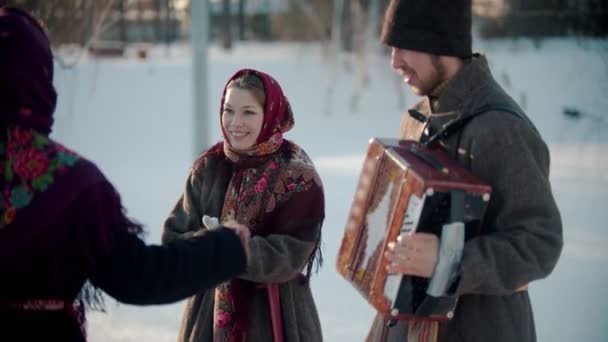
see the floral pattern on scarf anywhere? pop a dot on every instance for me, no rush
(223, 313)
(29, 162)
(262, 188)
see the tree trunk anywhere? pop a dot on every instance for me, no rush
(123, 22)
(140, 21)
(226, 25)
(241, 19)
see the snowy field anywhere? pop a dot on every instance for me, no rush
(133, 118)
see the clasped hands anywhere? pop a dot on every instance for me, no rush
(239, 229)
(413, 254)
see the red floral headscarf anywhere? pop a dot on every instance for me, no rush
(278, 117)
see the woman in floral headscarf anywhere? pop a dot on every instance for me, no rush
(62, 222)
(268, 184)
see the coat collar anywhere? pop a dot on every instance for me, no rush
(462, 96)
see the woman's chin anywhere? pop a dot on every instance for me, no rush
(239, 147)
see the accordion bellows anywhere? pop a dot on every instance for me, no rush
(406, 187)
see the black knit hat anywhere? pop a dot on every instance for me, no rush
(439, 27)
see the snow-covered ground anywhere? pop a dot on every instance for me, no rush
(134, 119)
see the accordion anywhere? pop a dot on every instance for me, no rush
(407, 187)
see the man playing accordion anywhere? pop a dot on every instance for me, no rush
(466, 113)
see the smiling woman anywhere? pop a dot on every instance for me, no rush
(243, 111)
(269, 185)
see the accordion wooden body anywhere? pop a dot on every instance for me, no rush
(406, 187)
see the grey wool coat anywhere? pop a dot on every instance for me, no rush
(521, 237)
(273, 258)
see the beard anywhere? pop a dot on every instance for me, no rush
(435, 78)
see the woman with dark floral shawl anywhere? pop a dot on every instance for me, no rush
(62, 222)
(268, 184)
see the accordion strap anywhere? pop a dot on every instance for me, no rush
(457, 126)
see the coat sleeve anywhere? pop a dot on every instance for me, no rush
(278, 257)
(116, 260)
(185, 217)
(521, 238)
(135, 273)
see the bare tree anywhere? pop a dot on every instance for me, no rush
(313, 17)
(355, 29)
(241, 19)
(226, 25)
(122, 21)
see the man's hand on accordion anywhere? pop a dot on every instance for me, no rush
(413, 254)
